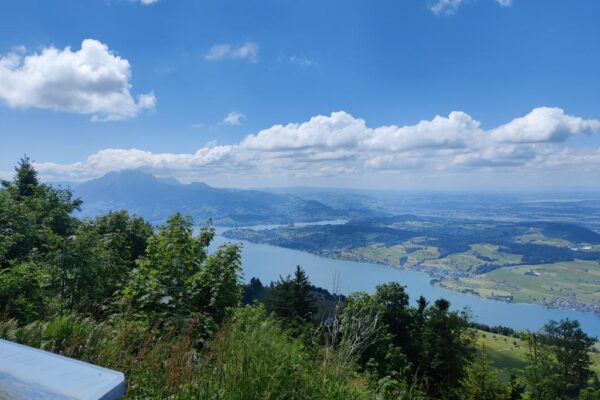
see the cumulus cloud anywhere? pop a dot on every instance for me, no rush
(91, 80)
(455, 131)
(337, 130)
(123, 159)
(340, 144)
(234, 118)
(248, 52)
(148, 2)
(544, 124)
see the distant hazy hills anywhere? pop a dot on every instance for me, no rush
(156, 199)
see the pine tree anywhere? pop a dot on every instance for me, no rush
(291, 298)
(569, 346)
(25, 178)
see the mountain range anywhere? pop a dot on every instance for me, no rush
(156, 199)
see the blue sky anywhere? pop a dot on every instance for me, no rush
(217, 78)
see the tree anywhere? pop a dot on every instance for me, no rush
(22, 292)
(123, 239)
(539, 373)
(253, 291)
(291, 298)
(35, 221)
(216, 289)
(558, 361)
(481, 381)
(570, 347)
(25, 180)
(125, 236)
(33, 216)
(19, 235)
(173, 257)
(398, 316)
(177, 277)
(445, 349)
(80, 273)
(360, 333)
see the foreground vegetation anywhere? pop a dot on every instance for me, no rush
(153, 303)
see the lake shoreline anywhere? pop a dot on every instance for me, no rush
(437, 279)
(269, 262)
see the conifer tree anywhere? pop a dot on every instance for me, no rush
(291, 298)
(25, 179)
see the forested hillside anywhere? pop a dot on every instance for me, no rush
(152, 302)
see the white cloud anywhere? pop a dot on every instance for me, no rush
(342, 130)
(496, 156)
(248, 51)
(455, 131)
(234, 118)
(449, 7)
(92, 80)
(148, 2)
(446, 7)
(340, 146)
(123, 159)
(337, 130)
(544, 124)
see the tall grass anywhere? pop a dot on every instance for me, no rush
(251, 357)
(254, 358)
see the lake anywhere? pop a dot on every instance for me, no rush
(268, 263)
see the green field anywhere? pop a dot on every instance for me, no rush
(572, 284)
(414, 252)
(506, 353)
(480, 254)
(574, 281)
(408, 254)
(510, 354)
(539, 238)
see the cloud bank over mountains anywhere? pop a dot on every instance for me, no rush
(340, 144)
(91, 80)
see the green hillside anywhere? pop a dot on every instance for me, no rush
(509, 354)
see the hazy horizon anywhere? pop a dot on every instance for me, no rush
(563, 191)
